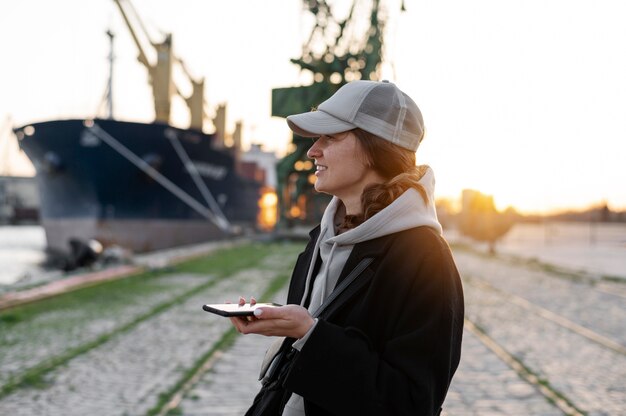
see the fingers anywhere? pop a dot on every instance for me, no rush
(291, 321)
(242, 300)
(255, 326)
(252, 324)
(235, 322)
(240, 323)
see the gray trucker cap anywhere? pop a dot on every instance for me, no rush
(377, 107)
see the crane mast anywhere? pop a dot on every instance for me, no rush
(337, 51)
(348, 55)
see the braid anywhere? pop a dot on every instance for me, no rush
(377, 197)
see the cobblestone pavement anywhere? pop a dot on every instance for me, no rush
(585, 372)
(230, 386)
(603, 311)
(46, 336)
(590, 375)
(483, 385)
(126, 375)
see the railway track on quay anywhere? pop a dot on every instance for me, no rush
(535, 343)
(202, 396)
(136, 356)
(553, 317)
(562, 336)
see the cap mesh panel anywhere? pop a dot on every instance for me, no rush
(377, 105)
(413, 120)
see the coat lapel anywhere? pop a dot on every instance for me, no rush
(372, 248)
(362, 253)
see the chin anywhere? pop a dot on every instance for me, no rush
(322, 190)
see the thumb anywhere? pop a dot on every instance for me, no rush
(267, 313)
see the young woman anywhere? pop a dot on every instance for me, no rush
(374, 318)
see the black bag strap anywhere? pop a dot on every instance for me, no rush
(269, 373)
(343, 286)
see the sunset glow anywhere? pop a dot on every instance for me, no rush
(523, 100)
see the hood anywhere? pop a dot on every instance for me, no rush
(407, 211)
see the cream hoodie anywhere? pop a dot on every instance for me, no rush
(406, 212)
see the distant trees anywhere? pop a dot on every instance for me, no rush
(480, 220)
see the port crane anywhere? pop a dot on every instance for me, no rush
(160, 73)
(337, 51)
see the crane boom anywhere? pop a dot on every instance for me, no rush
(142, 55)
(160, 73)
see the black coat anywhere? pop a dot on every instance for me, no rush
(392, 347)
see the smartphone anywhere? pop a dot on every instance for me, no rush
(233, 309)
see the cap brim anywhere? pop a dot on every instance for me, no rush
(317, 123)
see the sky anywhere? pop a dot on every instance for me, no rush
(522, 100)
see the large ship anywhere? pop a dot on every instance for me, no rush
(143, 186)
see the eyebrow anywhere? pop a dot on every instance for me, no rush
(336, 135)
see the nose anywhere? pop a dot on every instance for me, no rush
(314, 151)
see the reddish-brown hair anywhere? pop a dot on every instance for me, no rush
(396, 165)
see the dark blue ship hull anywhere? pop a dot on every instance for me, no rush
(90, 190)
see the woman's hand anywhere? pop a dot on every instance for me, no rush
(292, 321)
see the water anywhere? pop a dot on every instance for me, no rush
(599, 249)
(22, 252)
(596, 248)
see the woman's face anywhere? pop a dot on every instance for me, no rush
(342, 169)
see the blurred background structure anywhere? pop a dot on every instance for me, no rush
(337, 51)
